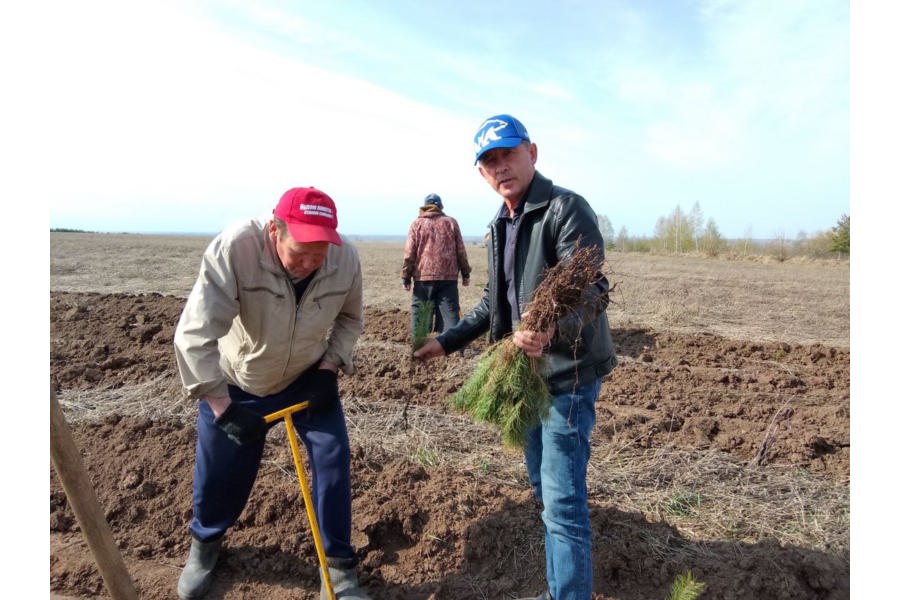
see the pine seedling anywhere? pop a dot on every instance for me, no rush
(506, 389)
(422, 325)
(685, 587)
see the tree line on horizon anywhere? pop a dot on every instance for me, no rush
(690, 233)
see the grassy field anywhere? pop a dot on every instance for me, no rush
(793, 301)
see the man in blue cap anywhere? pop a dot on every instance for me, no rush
(538, 225)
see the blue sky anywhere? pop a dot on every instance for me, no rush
(184, 116)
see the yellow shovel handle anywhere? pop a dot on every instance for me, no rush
(280, 414)
(304, 488)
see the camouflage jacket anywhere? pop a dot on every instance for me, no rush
(435, 250)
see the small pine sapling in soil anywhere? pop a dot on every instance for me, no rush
(685, 587)
(423, 324)
(506, 390)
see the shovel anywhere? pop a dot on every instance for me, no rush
(304, 487)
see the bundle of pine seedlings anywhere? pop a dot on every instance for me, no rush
(506, 389)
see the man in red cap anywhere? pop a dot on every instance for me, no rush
(275, 312)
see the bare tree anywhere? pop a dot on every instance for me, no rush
(622, 239)
(711, 241)
(675, 232)
(606, 229)
(780, 245)
(748, 238)
(695, 220)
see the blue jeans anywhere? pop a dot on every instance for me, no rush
(224, 472)
(556, 456)
(444, 295)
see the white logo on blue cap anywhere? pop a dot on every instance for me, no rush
(488, 133)
(499, 131)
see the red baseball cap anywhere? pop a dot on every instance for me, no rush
(310, 215)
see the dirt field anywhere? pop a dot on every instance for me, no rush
(722, 443)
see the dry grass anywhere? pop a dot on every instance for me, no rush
(707, 495)
(154, 399)
(142, 263)
(797, 301)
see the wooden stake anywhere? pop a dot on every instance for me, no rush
(77, 485)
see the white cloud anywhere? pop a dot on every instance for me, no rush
(193, 121)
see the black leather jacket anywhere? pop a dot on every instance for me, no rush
(552, 221)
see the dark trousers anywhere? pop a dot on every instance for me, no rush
(224, 472)
(444, 296)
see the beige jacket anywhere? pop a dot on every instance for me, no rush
(242, 324)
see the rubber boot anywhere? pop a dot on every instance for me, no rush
(344, 582)
(196, 576)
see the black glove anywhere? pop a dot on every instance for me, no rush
(241, 425)
(320, 388)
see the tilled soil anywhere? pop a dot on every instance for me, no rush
(441, 531)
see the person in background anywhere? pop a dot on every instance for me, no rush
(275, 313)
(537, 225)
(434, 257)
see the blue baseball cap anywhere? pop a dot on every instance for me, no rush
(500, 131)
